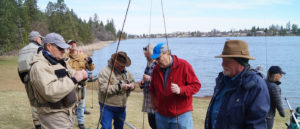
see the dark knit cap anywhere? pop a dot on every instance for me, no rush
(242, 61)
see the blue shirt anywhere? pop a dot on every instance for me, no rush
(229, 83)
(166, 72)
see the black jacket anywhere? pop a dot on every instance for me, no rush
(275, 97)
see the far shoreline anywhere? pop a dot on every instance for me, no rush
(90, 48)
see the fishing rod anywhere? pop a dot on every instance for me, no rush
(292, 114)
(162, 9)
(165, 26)
(150, 21)
(115, 60)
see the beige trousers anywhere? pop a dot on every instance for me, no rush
(56, 120)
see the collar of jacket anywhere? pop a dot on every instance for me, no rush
(277, 82)
(52, 60)
(36, 43)
(122, 72)
(240, 78)
(176, 63)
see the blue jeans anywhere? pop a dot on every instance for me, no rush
(185, 121)
(112, 113)
(80, 109)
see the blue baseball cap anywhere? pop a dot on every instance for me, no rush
(158, 49)
(56, 39)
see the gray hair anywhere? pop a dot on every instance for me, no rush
(149, 49)
(164, 49)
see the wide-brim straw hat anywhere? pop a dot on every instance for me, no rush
(122, 59)
(236, 48)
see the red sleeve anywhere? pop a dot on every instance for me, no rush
(193, 85)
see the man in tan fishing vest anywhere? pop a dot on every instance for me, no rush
(79, 61)
(25, 55)
(118, 90)
(53, 84)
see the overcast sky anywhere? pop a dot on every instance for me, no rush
(188, 15)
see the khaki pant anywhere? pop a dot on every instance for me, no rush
(57, 120)
(35, 116)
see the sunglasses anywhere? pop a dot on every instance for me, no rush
(59, 48)
(145, 48)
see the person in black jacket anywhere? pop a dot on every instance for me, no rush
(273, 81)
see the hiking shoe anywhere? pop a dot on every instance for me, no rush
(87, 112)
(81, 126)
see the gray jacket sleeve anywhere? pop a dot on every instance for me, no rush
(275, 94)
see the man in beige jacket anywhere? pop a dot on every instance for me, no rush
(53, 84)
(118, 90)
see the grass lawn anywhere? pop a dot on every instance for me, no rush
(15, 110)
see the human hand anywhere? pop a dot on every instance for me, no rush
(124, 87)
(146, 78)
(175, 88)
(131, 86)
(80, 75)
(89, 60)
(140, 83)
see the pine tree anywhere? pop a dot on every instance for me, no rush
(8, 26)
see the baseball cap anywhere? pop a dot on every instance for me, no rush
(158, 49)
(275, 70)
(71, 41)
(56, 39)
(34, 34)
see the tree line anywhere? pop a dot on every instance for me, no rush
(276, 30)
(20, 17)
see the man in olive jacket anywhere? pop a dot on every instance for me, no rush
(113, 97)
(53, 84)
(79, 61)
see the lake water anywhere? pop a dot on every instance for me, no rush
(200, 52)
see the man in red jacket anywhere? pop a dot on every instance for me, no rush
(172, 87)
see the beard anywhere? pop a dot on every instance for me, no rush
(226, 71)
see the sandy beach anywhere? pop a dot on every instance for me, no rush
(88, 49)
